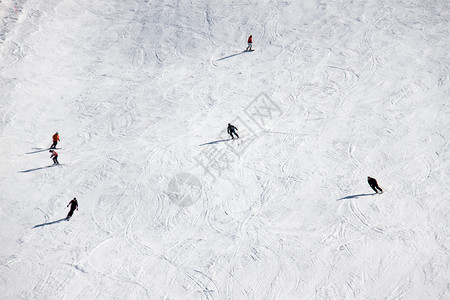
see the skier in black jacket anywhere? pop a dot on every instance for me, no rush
(73, 205)
(232, 129)
(374, 184)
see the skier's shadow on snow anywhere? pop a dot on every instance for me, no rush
(36, 169)
(49, 223)
(356, 196)
(229, 56)
(215, 142)
(37, 151)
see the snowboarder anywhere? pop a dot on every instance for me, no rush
(374, 184)
(232, 129)
(73, 205)
(249, 41)
(54, 156)
(55, 140)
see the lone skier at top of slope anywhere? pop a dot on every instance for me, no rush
(374, 184)
(250, 42)
(73, 205)
(232, 130)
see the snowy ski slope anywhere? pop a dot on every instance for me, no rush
(141, 93)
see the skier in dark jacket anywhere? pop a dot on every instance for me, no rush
(73, 205)
(374, 184)
(232, 130)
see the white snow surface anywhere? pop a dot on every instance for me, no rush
(141, 93)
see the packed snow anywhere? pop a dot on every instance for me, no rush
(170, 207)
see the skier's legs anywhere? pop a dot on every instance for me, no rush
(379, 189)
(53, 146)
(374, 188)
(70, 213)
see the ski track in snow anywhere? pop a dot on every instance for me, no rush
(141, 91)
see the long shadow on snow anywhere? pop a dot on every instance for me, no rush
(229, 56)
(215, 142)
(50, 223)
(37, 151)
(40, 150)
(35, 169)
(356, 196)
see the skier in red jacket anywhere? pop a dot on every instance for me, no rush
(55, 139)
(249, 41)
(54, 156)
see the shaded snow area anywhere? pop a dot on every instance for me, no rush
(170, 207)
